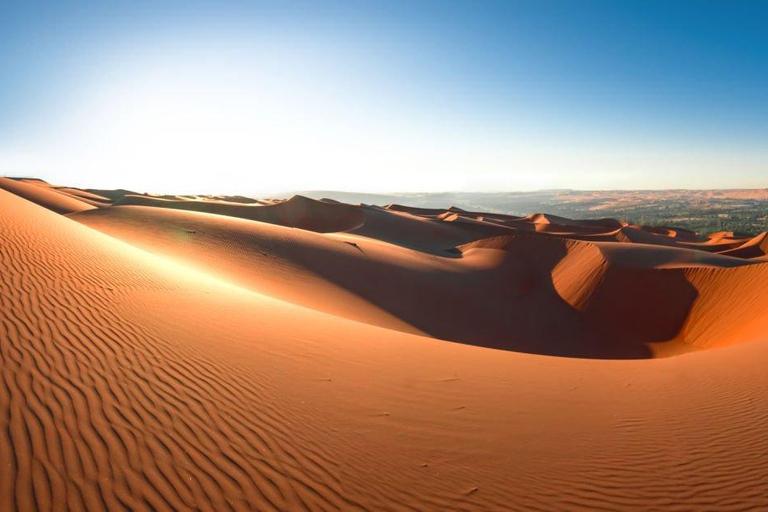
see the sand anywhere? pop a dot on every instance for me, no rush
(202, 358)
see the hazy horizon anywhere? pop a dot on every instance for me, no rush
(265, 97)
(237, 190)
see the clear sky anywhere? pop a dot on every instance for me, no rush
(258, 97)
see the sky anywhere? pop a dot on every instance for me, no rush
(264, 97)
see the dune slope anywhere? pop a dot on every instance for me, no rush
(527, 292)
(298, 212)
(45, 196)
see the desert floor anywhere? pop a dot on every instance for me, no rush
(217, 353)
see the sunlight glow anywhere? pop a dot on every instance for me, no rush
(265, 111)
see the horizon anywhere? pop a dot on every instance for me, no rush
(383, 192)
(425, 98)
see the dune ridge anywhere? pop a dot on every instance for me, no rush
(40, 193)
(297, 212)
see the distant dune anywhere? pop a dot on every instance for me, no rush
(234, 353)
(739, 210)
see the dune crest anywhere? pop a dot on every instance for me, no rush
(40, 193)
(296, 212)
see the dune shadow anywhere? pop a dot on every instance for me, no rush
(516, 306)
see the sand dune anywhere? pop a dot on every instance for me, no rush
(756, 247)
(212, 353)
(485, 294)
(298, 266)
(297, 212)
(85, 196)
(44, 196)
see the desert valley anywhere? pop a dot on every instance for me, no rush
(233, 353)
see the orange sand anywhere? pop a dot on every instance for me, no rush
(226, 354)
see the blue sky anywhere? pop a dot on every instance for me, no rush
(258, 97)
